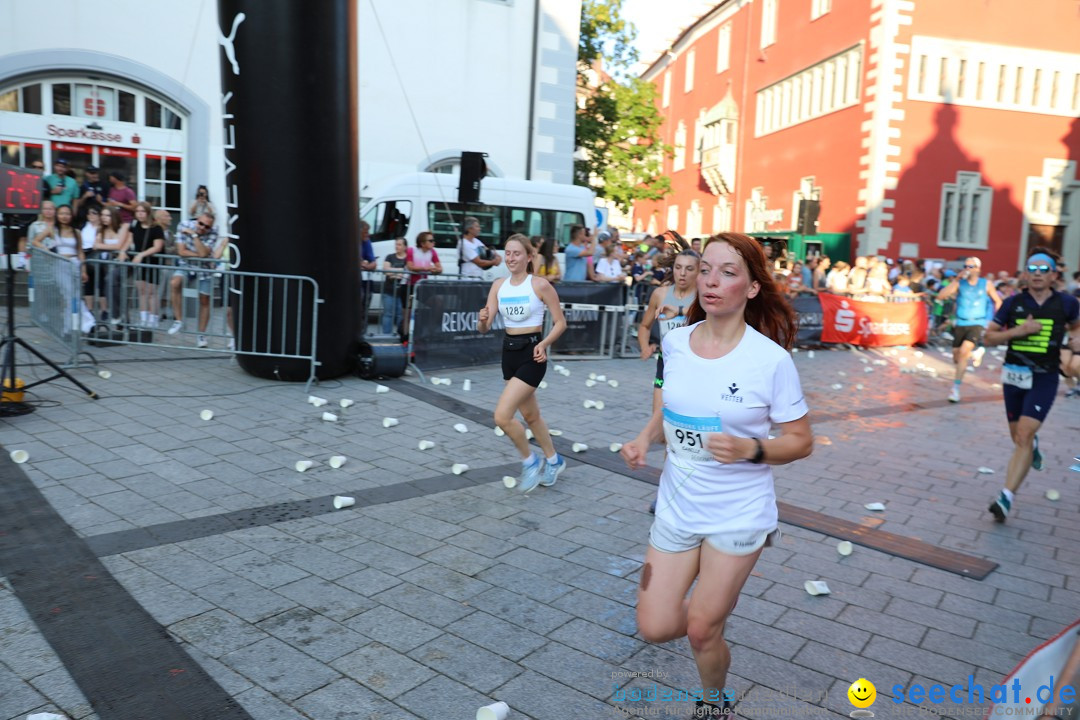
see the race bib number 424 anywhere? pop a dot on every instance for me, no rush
(1017, 376)
(686, 436)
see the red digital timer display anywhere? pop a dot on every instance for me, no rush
(20, 189)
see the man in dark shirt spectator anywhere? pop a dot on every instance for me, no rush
(93, 191)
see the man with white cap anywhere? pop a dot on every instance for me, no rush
(974, 295)
(1033, 323)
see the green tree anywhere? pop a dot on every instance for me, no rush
(620, 153)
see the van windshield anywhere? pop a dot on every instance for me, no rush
(498, 222)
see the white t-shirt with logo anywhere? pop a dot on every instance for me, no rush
(743, 393)
(470, 250)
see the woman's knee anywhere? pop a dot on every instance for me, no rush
(655, 628)
(503, 417)
(705, 633)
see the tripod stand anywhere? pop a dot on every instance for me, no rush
(7, 352)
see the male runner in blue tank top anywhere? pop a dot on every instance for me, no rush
(972, 314)
(1033, 323)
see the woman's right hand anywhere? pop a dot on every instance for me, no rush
(484, 314)
(648, 352)
(634, 453)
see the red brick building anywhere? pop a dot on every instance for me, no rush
(923, 128)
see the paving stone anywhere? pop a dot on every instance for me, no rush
(538, 697)
(230, 681)
(319, 561)
(610, 614)
(469, 664)
(826, 631)
(914, 660)
(972, 651)
(216, 632)
(541, 564)
(972, 611)
(268, 571)
(772, 640)
(423, 604)
(264, 706)
(905, 631)
(57, 685)
(446, 582)
(498, 636)
(393, 628)
(443, 697)
(18, 698)
(839, 664)
(573, 668)
(280, 668)
(524, 582)
(369, 581)
(527, 613)
(326, 598)
(384, 558)
(245, 599)
(604, 562)
(383, 670)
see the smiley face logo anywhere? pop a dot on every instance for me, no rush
(862, 693)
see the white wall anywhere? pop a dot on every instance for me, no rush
(465, 66)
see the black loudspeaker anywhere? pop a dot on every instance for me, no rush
(377, 361)
(808, 215)
(473, 170)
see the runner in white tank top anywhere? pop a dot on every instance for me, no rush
(727, 379)
(520, 300)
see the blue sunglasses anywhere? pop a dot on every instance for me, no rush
(1039, 269)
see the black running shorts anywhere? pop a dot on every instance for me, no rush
(517, 359)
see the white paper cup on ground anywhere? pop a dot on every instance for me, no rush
(447, 381)
(986, 471)
(425, 445)
(844, 547)
(104, 374)
(495, 711)
(19, 456)
(810, 354)
(461, 427)
(509, 481)
(466, 385)
(613, 383)
(346, 402)
(599, 405)
(555, 433)
(592, 376)
(389, 422)
(1052, 495)
(589, 403)
(816, 587)
(499, 432)
(381, 389)
(458, 468)
(316, 401)
(590, 383)
(343, 501)
(875, 506)
(337, 461)
(579, 447)
(528, 434)
(543, 384)
(329, 417)
(615, 447)
(436, 380)
(303, 465)
(601, 378)
(207, 414)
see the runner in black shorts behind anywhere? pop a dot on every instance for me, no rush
(1033, 323)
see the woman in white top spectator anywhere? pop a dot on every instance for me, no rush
(202, 204)
(89, 236)
(877, 283)
(608, 268)
(113, 238)
(857, 276)
(836, 281)
(42, 232)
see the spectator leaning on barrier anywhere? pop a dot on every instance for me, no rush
(836, 281)
(62, 188)
(547, 264)
(422, 260)
(608, 269)
(393, 287)
(473, 256)
(579, 249)
(196, 239)
(89, 235)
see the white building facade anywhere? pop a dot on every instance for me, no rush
(135, 85)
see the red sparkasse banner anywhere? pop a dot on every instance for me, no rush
(872, 323)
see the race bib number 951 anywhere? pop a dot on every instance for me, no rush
(686, 436)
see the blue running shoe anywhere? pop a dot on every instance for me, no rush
(1036, 456)
(1000, 508)
(530, 475)
(552, 470)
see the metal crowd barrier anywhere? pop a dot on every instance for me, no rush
(162, 305)
(55, 302)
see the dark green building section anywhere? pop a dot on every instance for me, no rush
(836, 245)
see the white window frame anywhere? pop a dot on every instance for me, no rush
(723, 48)
(769, 14)
(825, 87)
(699, 136)
(960, 223)
(679, 161)
(819, 8)
(673, 218)
(693, 220)
(688, 79)
(721, 216)
(666, 93)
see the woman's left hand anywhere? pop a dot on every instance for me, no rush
(727, 448)
(540, 353)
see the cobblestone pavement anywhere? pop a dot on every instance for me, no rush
(437, 593)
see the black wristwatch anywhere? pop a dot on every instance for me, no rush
(760, 454)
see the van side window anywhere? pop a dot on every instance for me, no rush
(563, 222)
(389, 220)
(445, 220)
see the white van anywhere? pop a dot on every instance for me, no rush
(405, 205)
